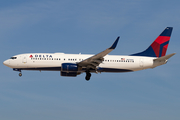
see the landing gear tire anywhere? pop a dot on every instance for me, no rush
(88, 76)
(20, 74)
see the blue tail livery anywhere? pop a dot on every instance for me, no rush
(159, 47)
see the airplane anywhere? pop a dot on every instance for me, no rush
(71, 65)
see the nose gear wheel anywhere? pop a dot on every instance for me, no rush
(20, 74)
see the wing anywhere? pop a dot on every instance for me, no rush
(95, 60)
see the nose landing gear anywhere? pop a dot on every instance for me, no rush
(20, 74)
(19, 70)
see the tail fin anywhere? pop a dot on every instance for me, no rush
(159, 46)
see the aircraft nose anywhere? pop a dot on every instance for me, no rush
(6, 62)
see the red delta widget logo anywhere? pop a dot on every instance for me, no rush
(41, 56)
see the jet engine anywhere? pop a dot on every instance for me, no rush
(69, 69)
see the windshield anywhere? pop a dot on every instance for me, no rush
(13, 57)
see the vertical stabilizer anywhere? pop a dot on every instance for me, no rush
(159, 47)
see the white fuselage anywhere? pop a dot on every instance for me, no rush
(49, 61)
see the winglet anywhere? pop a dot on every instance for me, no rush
(115, 43)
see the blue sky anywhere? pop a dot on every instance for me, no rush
(80, 26)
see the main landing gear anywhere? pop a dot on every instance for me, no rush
(88, 75)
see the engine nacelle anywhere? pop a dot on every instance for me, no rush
(69, 67)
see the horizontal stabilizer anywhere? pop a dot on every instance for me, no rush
(164, 58)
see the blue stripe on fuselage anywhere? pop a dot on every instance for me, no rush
(100, 69)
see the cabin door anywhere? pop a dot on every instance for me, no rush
(141, 62)
(24, 59)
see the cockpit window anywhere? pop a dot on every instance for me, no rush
(13, 58)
